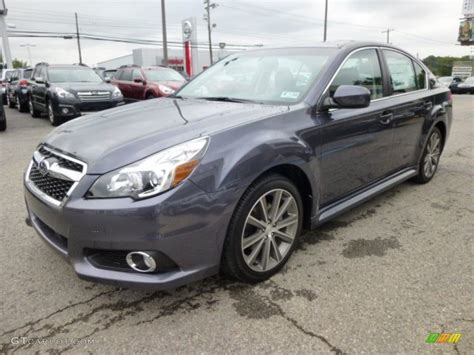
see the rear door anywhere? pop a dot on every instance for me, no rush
(411, 103)
(137, 88)
(356, 142)
(38, 90)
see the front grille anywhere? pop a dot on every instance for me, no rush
(93, 96)
(53, 187)
(64, 163)
(51, 182)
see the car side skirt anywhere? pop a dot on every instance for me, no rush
(360, 197)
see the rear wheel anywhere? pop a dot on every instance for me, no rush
(33, 111)
(22, 107)
(150, 96)
(264, 230)
(10, 103)
(3, 124)
(430, 159)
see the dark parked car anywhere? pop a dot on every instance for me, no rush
(17, 89)
(137, 83)
(3, 119)
(225, 174)
(451, 82)
(66, 91)
(6, 75)
(466, 87)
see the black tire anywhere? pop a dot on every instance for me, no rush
(4, 99)
(425, 175)
(53, 118)
(3, 125)
(233, 262)
(150, 96)
(21, 107)
(10, 103)
(33, 111)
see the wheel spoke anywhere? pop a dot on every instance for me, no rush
(254, 238)
(253, 255)
(266, 254)
(256, 222)
(264, 208)
(276, 250)
(283, 209)
(287, 222)
(275, 204)
(283, 236)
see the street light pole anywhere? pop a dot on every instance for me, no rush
(165, 39)
(3, 29)
(326, 22)
(78, 39)
(388, 34)
(28, 46)
(208, 7)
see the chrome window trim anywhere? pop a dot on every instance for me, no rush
(380, 63)
(43, 196)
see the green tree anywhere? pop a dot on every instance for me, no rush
(442, 66)
(17, 63)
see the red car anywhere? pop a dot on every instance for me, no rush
(142, 83)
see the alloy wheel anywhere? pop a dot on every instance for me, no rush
(51, 112)
(30, 106)
(270, 230)
(433, 152)
(18, 104)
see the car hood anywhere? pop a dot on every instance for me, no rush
(113, 138)
(75, 87)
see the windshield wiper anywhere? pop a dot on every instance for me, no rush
(227, 99)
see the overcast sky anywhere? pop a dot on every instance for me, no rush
(421, 26)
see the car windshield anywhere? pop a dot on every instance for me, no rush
(470, 80)
(163, 74)
(280, 76)
(73, 74)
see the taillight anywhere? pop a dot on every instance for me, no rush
(23, 83)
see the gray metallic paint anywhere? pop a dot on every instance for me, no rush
(346, 155)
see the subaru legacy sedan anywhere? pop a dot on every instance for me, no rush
(225, 174)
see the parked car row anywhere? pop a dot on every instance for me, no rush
(66, 91)
(457, 85)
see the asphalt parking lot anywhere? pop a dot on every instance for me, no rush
(378, 279)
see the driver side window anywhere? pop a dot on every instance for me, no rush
(361, 69)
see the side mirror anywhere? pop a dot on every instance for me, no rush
(351, 96)
(39, 80)
(137, 80)
(108, 81)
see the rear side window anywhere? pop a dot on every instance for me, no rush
(402, 74)
(27, 74)
(126, 75)
(362, 69)
(420, 76)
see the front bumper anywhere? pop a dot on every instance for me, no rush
(185, 224)
(70, 108)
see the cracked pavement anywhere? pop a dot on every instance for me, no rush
(378, 279)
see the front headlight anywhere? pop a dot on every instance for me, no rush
(117, 93)
(153, 175)
(63, 93)
(165, 90)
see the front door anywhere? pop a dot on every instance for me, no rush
(356, 143)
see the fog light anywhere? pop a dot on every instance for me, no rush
(141, 261)
(65, 110)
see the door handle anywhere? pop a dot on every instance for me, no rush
(386, 117)
(428, 105)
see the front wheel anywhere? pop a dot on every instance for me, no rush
(53, 118)
(264, 230)
(10, 102)
(430, 159)
(33, 111)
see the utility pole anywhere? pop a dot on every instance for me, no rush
(165, 39)
(78, 39)
(326, 22)
(388, 34)
(28, 46)
(3, 29)
(208, 6)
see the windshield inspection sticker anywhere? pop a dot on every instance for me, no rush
(289, 95)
